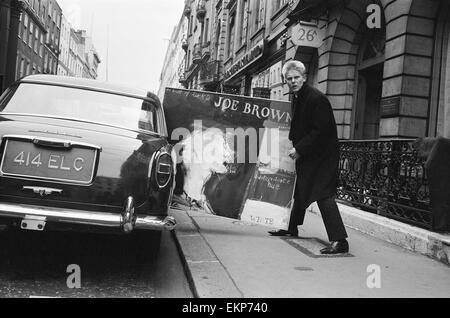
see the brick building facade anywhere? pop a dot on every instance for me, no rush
(30, 42)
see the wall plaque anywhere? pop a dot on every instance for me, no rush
(390, 106)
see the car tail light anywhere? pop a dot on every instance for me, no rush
(164, 169)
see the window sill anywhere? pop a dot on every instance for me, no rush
(258, 32)
(230, 59)
(239, 50)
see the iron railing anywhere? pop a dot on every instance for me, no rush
(385, 177)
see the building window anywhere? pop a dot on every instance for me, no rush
(244, 21)
(22, 67)
(278, 5)
(259, 15)
(36, 40)
(18, 65)
(206, 31)
(20, 27)
(231, 31)
(217, 38)
(41, 48)
(31, 35)
(28, 70)
(25, 29)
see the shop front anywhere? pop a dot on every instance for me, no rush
(258, 72)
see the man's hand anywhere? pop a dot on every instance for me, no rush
(293, 154)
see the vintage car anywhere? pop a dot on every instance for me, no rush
(82, 155)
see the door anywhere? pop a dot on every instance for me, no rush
(370, 83)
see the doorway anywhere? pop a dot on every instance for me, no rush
(370, 85)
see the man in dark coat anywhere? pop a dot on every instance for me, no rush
(316, 153)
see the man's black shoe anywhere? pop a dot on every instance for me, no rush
(336, 247)
(283, 233)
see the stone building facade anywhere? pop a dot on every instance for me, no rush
(384, 64)
(174, 61)
(383, 82)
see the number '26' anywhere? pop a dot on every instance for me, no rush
(307, 35)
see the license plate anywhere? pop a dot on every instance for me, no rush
(25, 159)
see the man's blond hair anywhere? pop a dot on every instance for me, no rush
(293, 65)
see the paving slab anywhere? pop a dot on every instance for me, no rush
(231, 258)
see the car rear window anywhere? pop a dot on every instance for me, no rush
(81, 104)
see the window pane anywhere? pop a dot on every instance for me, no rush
(127, 112)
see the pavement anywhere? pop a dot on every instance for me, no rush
(227, 258)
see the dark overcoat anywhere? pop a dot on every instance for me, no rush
(314, 135)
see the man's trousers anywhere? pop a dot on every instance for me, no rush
(330, 215)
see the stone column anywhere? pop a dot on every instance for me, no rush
(16, 10)
(4, 34)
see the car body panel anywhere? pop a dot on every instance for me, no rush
(124, 165)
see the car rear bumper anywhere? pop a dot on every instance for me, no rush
(126, 221)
